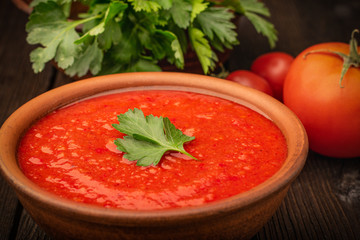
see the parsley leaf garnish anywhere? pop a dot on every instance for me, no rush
(148, 138)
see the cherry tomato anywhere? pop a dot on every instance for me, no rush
(273, 67)
(328, 108)
(250, 79)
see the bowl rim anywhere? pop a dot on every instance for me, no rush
(9, 136)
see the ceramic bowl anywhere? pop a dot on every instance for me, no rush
(240, 216)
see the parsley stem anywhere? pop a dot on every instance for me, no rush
(82, 21)
(73, 26)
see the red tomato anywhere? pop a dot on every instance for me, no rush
(329, 113)
(273, 67)
(250, 79)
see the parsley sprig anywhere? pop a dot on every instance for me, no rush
(134, 35)
(148, 138)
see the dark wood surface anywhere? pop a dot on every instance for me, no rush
(323, 203)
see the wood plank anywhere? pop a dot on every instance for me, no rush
(28, 229)
(320, 204)
(18, 84)
(10, 209)
(62, 79)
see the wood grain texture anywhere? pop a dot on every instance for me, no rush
(10, 209)
(313, 208)
(323, 202)
(28, 229)
(18, 84)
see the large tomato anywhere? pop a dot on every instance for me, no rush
(329, 109)
(273, 67)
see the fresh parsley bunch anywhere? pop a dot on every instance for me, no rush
(134, 35)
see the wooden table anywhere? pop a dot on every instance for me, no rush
(323, 203)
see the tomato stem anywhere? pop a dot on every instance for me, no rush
(351, 60)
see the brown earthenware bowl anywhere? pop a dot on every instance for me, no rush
(240, 216)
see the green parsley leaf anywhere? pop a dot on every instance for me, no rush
(144, 65)
(264, 27)
(48, 26)
(113, 9)
(90, 59)
(254, 10)
(178, 58)
(130, 45)
(165, 4)
(148, 138)
(215, 21)
(198, 6)
(36, 2)
(145, 5)
(255, 6)
(165, 44)
(203, 50)
(181, 13)
(111, 35)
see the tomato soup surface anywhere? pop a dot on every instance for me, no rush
(71, 151)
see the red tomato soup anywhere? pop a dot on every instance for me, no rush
(71, 152)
